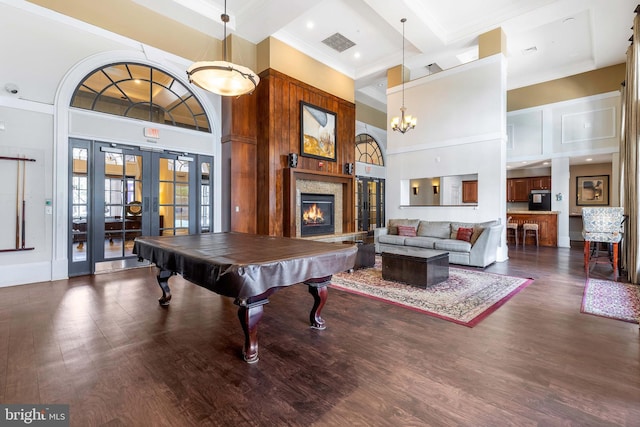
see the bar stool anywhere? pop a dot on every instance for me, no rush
(532, 228)
(514, 227)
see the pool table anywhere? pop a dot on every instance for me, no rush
(248, 268)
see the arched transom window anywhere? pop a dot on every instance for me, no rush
(141, 92)
(368, 150)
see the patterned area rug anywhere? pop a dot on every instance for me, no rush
(465, 298)
(615, 300)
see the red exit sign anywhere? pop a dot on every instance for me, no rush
(152, 133)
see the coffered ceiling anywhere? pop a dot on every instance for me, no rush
(546, 39)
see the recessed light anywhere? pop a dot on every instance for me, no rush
(568, 20)
(589, 159)
(524, 163)
(356, 55)
(545, 163)
(529, 50)
(310, 25)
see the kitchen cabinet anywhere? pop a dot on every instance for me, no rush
(470, 191)
(540, 183)
(518, 190)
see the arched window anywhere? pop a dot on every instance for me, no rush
(368, 150)
(141, 92)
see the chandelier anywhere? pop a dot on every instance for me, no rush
(222, 77)
(403, 123)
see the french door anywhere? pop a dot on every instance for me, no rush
(369, 203)
(119, 192)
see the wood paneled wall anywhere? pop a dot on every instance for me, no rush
(239, 132)
(262, 129)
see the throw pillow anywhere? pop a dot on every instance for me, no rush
(464, 234)
(456, 225)
(393, 224)
(406, 230)
(477, 231)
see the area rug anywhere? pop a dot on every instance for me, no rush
(614, 300)
(465, 298)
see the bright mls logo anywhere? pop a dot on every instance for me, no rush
(34, 415)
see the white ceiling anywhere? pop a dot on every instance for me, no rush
(546, 39)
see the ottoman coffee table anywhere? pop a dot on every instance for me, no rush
(424, 267)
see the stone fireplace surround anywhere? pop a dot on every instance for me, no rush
(305, 181)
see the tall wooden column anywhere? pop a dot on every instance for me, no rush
(239, 131)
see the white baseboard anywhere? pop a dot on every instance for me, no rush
(564, 242)
(22, 274)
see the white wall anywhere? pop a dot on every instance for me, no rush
(580, 126)
(461, 130)
(556, 133)
(28, 134)
(46, 55)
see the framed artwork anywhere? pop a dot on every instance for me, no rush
(592, 190)
(317, 132)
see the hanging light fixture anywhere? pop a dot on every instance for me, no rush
(403, 123)
(222, 77)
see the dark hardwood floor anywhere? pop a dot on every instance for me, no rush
(104, 346)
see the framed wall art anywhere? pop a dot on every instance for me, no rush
(592, 190)
(317, 132)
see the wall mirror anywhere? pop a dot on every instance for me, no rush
(452, 190)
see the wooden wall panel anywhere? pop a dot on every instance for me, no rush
(243, 179)
(277, 133)
(239, 131)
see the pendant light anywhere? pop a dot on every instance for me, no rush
(222, 77)
(403, 123)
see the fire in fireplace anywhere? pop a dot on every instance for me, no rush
(316, 214)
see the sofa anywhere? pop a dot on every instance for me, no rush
(472, 244)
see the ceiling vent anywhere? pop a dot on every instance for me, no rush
(338, 42)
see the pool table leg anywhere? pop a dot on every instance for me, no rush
(163, 281)
(250, 315)
(318, 289)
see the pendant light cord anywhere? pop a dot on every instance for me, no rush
(225, 19)
(403, 20)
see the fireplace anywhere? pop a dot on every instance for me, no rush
(317, 214)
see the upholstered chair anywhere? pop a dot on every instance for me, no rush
(601, 225)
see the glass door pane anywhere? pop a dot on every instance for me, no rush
(381, 205)
(174, 195)
(79, 204)
(123, 186)
(133, 198)
(372, 203)
(206, 203)
(360, 207)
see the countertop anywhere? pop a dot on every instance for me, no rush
(517, 212)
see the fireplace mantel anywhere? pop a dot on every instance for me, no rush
(291, 175)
